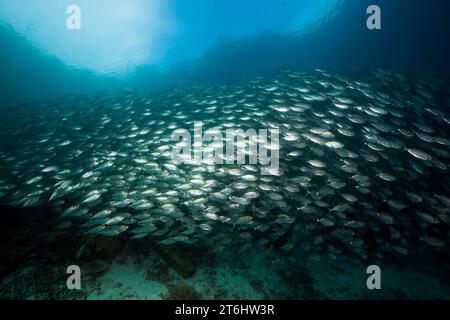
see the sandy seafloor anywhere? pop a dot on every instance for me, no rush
(113, 269)
(257, 278)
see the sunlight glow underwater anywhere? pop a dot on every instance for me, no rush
(118, 36)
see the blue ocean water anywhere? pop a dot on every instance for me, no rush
(84, 131)
(207, 42)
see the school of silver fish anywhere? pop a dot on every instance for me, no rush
(363, 164)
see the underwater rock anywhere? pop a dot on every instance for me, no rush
(158, 272)
(182, 292)
(99, 247)
(255, 284)
(301, 283)
(181, 264)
